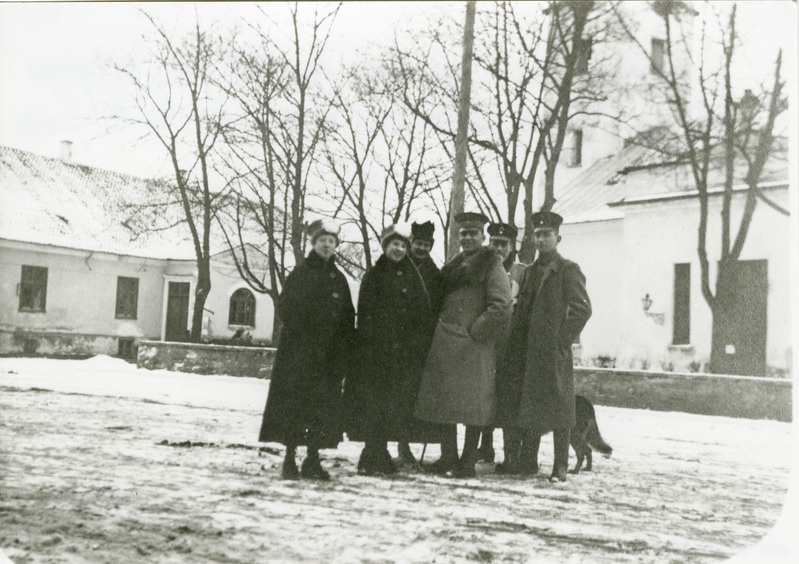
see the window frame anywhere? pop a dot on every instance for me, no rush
(120, 312)
(681, 326)
(29, 284)
(236, 302)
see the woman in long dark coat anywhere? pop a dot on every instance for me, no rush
(393, 316)
(304, 401)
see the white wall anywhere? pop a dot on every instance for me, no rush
(622, 264)
(81, 291)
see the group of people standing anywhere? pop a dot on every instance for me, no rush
(484, 342)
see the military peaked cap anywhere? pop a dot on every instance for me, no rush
(471, 220)
(505, 230)
(546, 220)
(423, 231)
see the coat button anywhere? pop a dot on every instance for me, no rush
(335, 294)
(332, 275)
(405, 290)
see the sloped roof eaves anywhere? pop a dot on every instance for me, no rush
(49, 202)
(692, 194)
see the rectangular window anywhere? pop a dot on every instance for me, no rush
(127, 297)
(33, 288)
(584, 47)
(576, 155)
(657, 55)
(682, 304)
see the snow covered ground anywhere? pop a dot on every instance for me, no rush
(102, 462)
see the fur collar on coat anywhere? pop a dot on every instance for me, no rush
(468, 271)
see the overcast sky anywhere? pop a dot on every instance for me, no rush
(55, 84)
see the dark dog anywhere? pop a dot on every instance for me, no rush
(585, 434)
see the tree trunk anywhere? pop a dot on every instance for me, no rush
(200, 295)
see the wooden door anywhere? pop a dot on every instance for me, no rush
(177, 312)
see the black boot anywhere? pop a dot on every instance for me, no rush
(449, 452)
(405, 454)
(511, 440)
(384, 463)
(528, 452)
(312, 467)
(486, 451)
(465, 468)
(560, 466)
(367, 465)
(289, 470)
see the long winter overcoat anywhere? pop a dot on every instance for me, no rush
(431, 276)
(393, 312)
(535, 383)
(458, 382)
(318, 327)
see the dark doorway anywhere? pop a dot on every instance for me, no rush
(740, 320)
(177, 312)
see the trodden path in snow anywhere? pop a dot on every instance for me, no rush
(95, 466)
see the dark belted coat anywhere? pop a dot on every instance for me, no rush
(318, 327)
(535, 383)
(380, 392)
(458, 382)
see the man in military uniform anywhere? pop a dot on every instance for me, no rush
(421, 243)
(502, 240)
(459, 379)
(535, 384)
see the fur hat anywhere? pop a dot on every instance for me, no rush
(321, 227)
(423, 231)
(400, 230)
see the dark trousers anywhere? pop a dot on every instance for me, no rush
(449, 443)
(521, 447)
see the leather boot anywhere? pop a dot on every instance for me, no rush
(528, 453)
(312, 468)
(465, 467)
(449, 451)
(405, 454)
(511, 440)
(486, 451)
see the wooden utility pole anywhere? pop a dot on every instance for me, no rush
(464, 100)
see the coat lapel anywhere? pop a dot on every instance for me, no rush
(553, 266)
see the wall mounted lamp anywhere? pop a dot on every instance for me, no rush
(646, 303)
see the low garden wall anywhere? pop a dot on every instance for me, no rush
(706, 394)
(206, 359)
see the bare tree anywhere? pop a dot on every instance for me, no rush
(271, 144)
(176, 104)
(532, 79)
(377, 157)
(713, 141)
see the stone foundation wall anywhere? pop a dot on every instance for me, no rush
(706, 394)
(56, 344)
(206, 359)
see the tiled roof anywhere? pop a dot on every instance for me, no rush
(47, 201)
(637, 172)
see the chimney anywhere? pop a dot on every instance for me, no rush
(66, 151)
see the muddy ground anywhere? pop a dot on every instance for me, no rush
(100, 462)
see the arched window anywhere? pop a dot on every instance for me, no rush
(242, 308)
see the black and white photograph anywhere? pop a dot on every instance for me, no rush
(399, 281)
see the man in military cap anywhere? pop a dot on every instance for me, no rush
(458, 382)
(502, 240)
(535, 384)
(421, 243)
